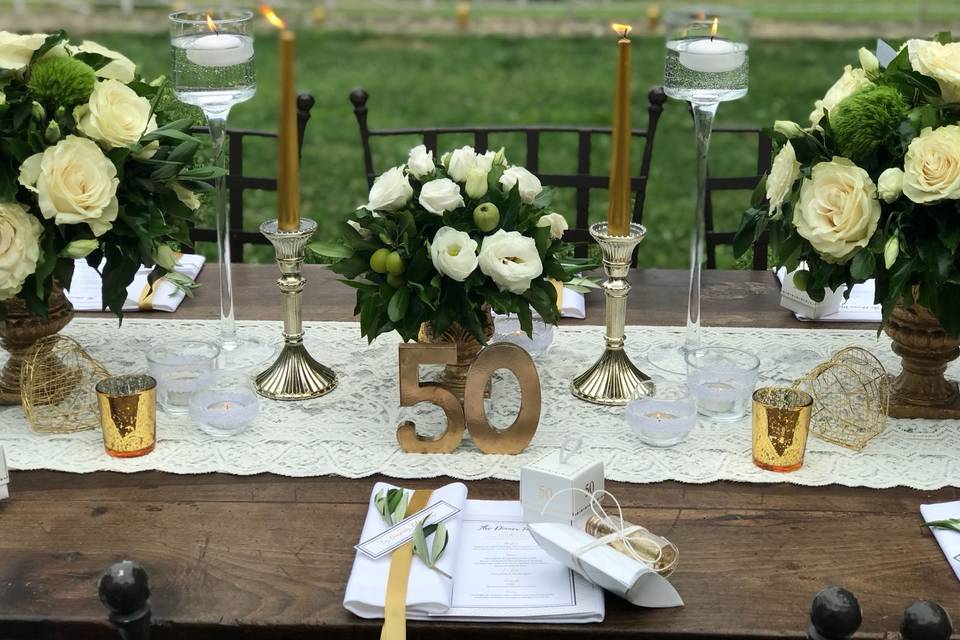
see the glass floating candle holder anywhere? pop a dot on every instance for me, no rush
(721, 380)
(662, 423)
(128, 414)
(507, 329)
(227, 406)
(781, 422)
(181, 370)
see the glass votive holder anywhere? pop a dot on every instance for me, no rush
(181, 369)
(781, 422)
(128, 414)
(507, 329)
(721, 380)
(226, 406)
(666, 418)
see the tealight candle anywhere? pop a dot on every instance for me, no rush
(224, 411)
(661, 423)
(220, 50)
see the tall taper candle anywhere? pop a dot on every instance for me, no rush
(288, 185)
(618, 214)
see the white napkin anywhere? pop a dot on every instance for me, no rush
(572, 304)
(949, 541)
(428, 592)
(859, 307)
(4, 476)
(85, 290)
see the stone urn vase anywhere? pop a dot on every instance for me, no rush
(454, 376)
(20, 331)
(925, 348)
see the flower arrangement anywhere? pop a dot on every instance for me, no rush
(871, 189)
(437, 243)
(91, 166)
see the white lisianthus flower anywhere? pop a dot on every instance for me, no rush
(390, 191)
(115, 116)
(75, 183)
(461, 161)
(186, 196)
(890, 184)
(788, 128)
(3, 98)
(849, 83)
(364, 233)
(476, 186)
(19, 247)
(868, 61)
(454, 253)
(420, 162)
(119, 68)
(931, 167)
(80, 248)
(783, 173)
(511, 260)
(438, 196)
(838, 210)
(17, 50)
(556, 222)
(166, 257)
(940, 62)
(529, 184)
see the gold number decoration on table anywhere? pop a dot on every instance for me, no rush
(472, 415)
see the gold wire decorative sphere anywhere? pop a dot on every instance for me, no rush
(57, 382)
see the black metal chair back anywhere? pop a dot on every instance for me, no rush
(237, 182)
(583, 181)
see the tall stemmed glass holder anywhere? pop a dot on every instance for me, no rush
(614, 379)
(295, 375)
(702, 127)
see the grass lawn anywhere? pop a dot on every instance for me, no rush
(491, 80)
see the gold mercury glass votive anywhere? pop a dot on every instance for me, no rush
(128, 414)
(781, 421)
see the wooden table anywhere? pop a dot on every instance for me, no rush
(268, 556)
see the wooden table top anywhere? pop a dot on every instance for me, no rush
(268, 557)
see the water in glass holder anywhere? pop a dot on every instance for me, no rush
(721, 380)
(227, 406)
(181, 370)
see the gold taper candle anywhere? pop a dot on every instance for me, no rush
(288, 187)
(618, 214)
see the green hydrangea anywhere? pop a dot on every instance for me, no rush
(62, 81)
(867, 120)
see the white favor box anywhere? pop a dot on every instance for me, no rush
(800, 303)
(551, 475)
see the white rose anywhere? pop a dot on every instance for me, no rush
(788, 128)
(186, 196)
(890, 184)
(75, 183)
(438, 196)
(556, 222)
(868, 61)
(511, 260)
(931, 167)
(940, 62)
(849, 83)
(420, 162)
(119, 68)
(454, 253)
(530, 186)
(838, 210)
(476, 186)
(391, 191)
(115, 116)
(19, 247)
(783, 173)
(16, 50)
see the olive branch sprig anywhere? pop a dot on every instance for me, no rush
(952, 524)
(392, 505)
(430, 555)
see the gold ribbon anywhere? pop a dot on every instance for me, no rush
(559, 287)
(395, 606)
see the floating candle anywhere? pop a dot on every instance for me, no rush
(712, 55)
(220, 50)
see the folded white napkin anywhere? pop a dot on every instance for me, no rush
(949, 541)
(572, 304)
(859, 307)
(85, 290)
(428, 592)
(4, 476)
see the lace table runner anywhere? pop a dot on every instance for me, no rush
(351, 432)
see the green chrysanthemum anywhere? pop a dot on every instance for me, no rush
(867, 120)
(62, 81)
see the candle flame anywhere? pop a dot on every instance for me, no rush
(714, 27)
(622, 30)
(272, 17)
(211, 24)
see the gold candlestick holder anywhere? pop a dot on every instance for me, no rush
(614, 379)
(295, 375)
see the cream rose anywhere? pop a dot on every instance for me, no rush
(438, 196)
(783, 173)
(556, 222)
(420, 162)
(119, 68)
(19, 247)
(115, 116)
(391, 191)
(454, 253)
(529, 184)
(511, 260)
(931, 168)
(75, 183)
(890, 184)
(940, 62)
(16, 50)
(838, 210)
(849, 83)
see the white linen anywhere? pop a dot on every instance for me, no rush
(948, 540)
(572, 304)
(859, 307)
(85, 290)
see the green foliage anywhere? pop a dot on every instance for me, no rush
(867, 121)
(61, 81)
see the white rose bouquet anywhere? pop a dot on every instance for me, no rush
(871, 189)
(92, 165)
(438, 243)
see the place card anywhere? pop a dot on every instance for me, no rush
(402, 532)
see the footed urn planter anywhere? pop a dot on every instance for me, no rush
(921, 390)
(454, 376)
